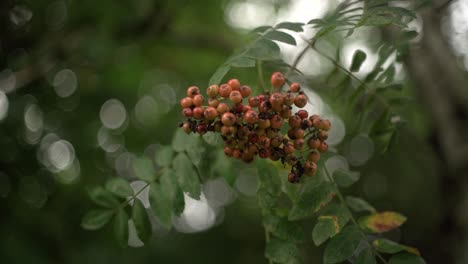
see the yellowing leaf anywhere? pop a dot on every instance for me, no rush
(382, 222)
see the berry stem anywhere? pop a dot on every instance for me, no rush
(260, 75)
(300, 56)
(353, 219)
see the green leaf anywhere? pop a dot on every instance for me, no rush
(268, 177)
(141, 221)
(342, 246)
(164, 156)
(387, 246)
(264, 49)
(168, 183)
(119, 187)
(359, 205)
(358, 58)
(241, 62)
(345, 178)
(330, 223)
(406, 258)
(196, 150)
(281, 37)
(186, 176)
(382, 222)
(316, 22)
(261, 29)
(143, 168)
(311, 198)
(293, 26)
(161, 204)
(266, 200)
(103, 197)
(214, 139)
(284, 229)
(218, 76)
(366, 256)
(180, 140)
(223, 168)
(121, 227)
(96, 219)
(281, 251)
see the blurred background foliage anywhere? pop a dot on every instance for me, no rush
(87, 86)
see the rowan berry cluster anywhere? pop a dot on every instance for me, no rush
(262, 125)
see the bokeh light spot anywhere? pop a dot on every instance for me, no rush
(65, 83)
(113, 114)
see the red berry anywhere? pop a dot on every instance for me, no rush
(225, 90)
(235, 97)
(263, 141)
(186, 102)
(295, 87)
(245, 91)
(238, 108)
(187, 112)
(246, 108)
(303, 114)
(277, 80)
(288, 148)
(276, 101)
(202, 128)
(263, 107)
(310, 168)
(251, 117)
(192, 91)
(235, 84)
(264, 153)
(299, 143)
(286, 112)
(198, 100)
(323, 135)
(228, 119)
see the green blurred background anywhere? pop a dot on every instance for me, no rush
(90, 84)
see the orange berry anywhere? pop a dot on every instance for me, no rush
(235, 97)
(223, 108)
(254, 101)
(213, 102)
(313, 156)
(295, 87)
(300, 100)
(323, 147)
(251, 117)
(210, 113)
(277, 80)
(198, 112)
(276, 121)
(313, 143)
(198, 100)
(225, 90)
(186, 102)
(235, 84)
(192, 91)
(228, 119)
(245, 91)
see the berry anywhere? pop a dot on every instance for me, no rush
(313, 143)
(213, 102)
(192, 91)
(198, 100)
(289, 98)
(212, 90)
(225, 90)
(264, 123)
(210, 113)
(276, 101)
(187, 112)
(323, 135)
(202, 128)
(228, 119)
(254, 101)
(323, 147)
(295, 87)
(186, 102)
(235, 84)
(294, 121)
(292, 177)
(276, 121)
(277, 80)
(288, 148)
(186, 127)
(286, 113)
(263, 141)
(313, 156)
(245, 91)
(223, 108)
(300, 100)
(326, 125)
(303, 114)
(235, 97)
(228, 151)
(299, 143)
(310, 168)
(251, 117)
(198, 112)
(264, 153)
